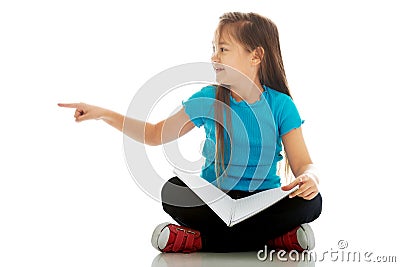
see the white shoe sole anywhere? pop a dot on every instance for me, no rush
(156, 234)
(309, 243)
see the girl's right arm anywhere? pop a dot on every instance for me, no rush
(144, 132)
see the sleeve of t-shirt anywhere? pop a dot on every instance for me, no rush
(197, 105)
(289, 118)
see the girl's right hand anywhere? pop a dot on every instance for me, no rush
(84, 111)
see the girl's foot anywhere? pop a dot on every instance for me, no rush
(169, 237)
(300, 238)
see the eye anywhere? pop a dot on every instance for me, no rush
(221, 49)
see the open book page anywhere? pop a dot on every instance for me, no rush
(216, 199)
(231, 211)
(251, 205)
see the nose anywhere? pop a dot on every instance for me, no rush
(215, 57)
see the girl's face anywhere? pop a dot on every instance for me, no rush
(231, 61)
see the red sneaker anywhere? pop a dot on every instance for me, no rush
(169, 237)
(300, 238)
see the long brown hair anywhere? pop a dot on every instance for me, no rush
(251, 30)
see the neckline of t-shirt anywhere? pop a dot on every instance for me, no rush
(243, 103)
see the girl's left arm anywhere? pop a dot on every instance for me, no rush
(301, 165)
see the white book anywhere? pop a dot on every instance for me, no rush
(231, 211)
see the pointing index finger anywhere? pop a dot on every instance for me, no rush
(69, 105)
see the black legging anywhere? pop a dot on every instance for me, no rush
(249, 235)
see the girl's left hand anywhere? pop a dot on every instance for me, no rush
(308, 187)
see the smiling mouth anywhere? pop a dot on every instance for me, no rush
(218, 69)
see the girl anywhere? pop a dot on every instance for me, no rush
(249, 44)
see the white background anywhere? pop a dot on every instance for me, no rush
(66, 195)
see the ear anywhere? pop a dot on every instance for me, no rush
(257, 55)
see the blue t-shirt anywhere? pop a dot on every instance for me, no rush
(254, 143)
